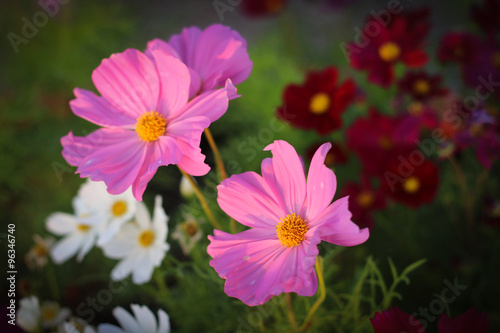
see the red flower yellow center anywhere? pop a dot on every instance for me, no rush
(150, 126)
(495, 59)
(365, 199)
(411, 185)
(385, 142)
(146, 238)
(421, 87)
(389, 51)
(319, 103)
(291, 230)
(119, 208)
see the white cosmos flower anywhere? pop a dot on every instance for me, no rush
(141, 244)
(79, 230)
(142, 321)
(75, 325)
(30, 315)
(114, 209)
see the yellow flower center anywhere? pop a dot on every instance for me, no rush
(150, 126)
(291, 230)
(495, 59)
(49, 311)
(411, 185)
(83, 227)
(365, 199)
(274, 6)
(119, 208)
(319, 103)
(421, 87)
(384, 142)
(476, 130)
(389, 51)
(40, 250)
(190, 227)
(416, 108)
(146, 238)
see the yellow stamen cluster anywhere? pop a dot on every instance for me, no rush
(389, 51)
(119, 208)
(291, 230)
(411, 185)
(146, 238)
(150, 126)
(422, 87)
(365, 199)
(319, 104)
(385, 142)
(83, 227)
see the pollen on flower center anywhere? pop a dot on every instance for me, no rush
(49, 311)
(422, 87)
(150, 126)
(416, 108)
(41, 250)
(411, 185)
(146, 238)
(83, 227)
(365, 199)
(319, 103)
(389, 51)
(119, 208)
(384, 142)
(291, 230)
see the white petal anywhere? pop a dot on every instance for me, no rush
(142, 216)
(164, 322)
(108, 328)
(61, 223)
(126, 320)
(145, 317)
(123, 268)
(66, 248)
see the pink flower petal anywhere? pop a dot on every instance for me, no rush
(98, 110)
(321, 183)
(128, 81)
(174, 83)
(248, 199)
(165, 151)
(256, 267)
(335, 225)
(221, 53)
(193, 161)
(212, 104)
(185, 44)
(113, 155)
(289, 173)
(162, 45)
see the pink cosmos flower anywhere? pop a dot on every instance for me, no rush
(289, 217)
(146, 118)
(212, 56)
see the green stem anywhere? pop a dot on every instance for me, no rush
(291, 314)
(322, 294)
(51, 277)
(202, 200)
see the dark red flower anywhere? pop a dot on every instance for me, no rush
(400, 40)
(484, 68)
(487, 16)
(337, 155)
(459, 47)
(421, 85)
(395, 321)
(318, 103)
(470, 321)
(256, 8)
(410, 179)
(376, 138)
(363, 200)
